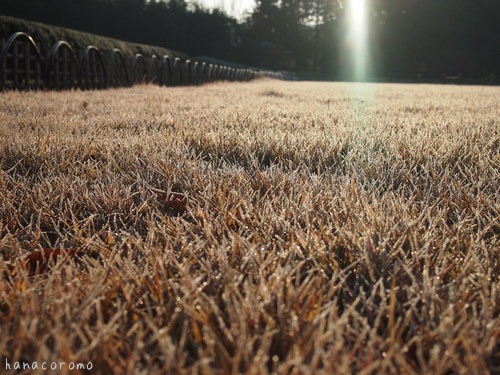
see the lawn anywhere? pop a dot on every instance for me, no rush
(264, 227)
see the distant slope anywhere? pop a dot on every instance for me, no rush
(47, 35)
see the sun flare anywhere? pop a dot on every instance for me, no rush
(358, 31)
(358, 18)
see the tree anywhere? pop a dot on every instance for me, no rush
(409, 39)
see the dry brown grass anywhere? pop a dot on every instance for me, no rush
(254, 228)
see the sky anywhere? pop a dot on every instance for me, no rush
(235, 8)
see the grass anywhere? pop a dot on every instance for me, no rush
(263, 227)
(47, 35)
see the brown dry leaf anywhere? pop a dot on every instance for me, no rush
(110, 240)
(196, 332)
(41, 261)
(177, 203)
(313, 307)
(233, 219)
(200, 216)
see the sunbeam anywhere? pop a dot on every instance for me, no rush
(358, 35)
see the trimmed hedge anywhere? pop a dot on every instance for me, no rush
(47, 35)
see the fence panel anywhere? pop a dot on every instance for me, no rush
(62, 72)
(176, 72)
(195, 76)
(119, 73)
(21, 66)
(154, 69)
(186, 73)
(24, 67)
(93, 73)
(165, 71)
(141, 69)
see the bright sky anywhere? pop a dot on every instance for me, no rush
(235, 8)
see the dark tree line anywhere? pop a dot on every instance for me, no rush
(168, 24)
(408, 39)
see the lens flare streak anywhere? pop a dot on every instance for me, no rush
(358, 35)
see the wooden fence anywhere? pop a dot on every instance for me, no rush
(24, 66)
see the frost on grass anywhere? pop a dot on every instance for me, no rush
(252, 228)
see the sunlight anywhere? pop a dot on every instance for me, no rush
(358, 33)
